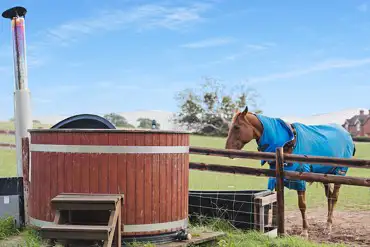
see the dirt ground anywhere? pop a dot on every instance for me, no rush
(349, 227)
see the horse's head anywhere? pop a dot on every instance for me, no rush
(244, 128)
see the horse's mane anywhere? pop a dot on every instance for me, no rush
(237, 113)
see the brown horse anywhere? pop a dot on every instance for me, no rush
(246, 127)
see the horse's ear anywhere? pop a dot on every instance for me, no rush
(245, 109)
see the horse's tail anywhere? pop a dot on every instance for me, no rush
(354, 150)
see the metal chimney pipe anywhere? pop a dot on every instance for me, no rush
(22, 102)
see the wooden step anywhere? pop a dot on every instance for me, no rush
(86, 232)
(72, 201)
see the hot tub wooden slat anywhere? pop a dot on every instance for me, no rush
(85, 166)
(53, 168)
(68, 163)
(60, 164)
(139, 182)
(148, 182)
(168, 196)
(174, 200)
(94, 166)
(76, 177)
(131, 170)
(112, 165)
(162, 181)
(122, 174)
(103, 164)
(46, 185)
(156, 183)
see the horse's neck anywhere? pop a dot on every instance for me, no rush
(257, 125)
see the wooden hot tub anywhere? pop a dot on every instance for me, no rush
(150, 168)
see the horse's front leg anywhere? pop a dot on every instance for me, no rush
(302, 208)
(332, 201)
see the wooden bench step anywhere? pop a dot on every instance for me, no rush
(85, 201)
(87, 232)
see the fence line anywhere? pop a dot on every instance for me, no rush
(280, 158)
(323, 160)
(7, 145)
(306, 176)
(7, 132)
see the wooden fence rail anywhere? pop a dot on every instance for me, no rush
(279, 158)
(7, 132)
(328, 161)
(306, 176)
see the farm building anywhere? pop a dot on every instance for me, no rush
(358, 125)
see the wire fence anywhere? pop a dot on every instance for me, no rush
(245, 209)
(7, 139)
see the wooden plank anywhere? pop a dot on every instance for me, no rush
(75, 228)
(168, 164)
(156, 182)
(45, 182)
(112, 223)
(82, 206)
(280, 191)
(197, 238)
(85, 164)
(76, 165)
(25, 169)
(94, 165)
(139, 182)
(112, 165)
(53, 166)
(103, 165)
(187, 159)
(68, 159)
(122, 174)
(131, 171)
(175, 194)
(305, 159)
(148, 186)
(179, 179)
(307, 176)
(266, 200)
(93, 198)
(163, 180)
(61, 166)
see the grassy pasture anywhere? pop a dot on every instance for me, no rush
(351, 197)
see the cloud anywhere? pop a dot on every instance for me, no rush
(362, 8)
(148, 16)
(212, 42)
(323, 66)
(248, 49)
(262, 46)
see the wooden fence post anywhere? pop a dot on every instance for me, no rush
(26, 167)
(280, 191)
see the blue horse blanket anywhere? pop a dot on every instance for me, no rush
(330, 140)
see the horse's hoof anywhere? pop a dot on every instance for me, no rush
(328, 229)
(304, 234)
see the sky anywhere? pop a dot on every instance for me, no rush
(302, 57)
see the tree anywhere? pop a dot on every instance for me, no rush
(210, 110)
(118, 120)
(146, 123)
